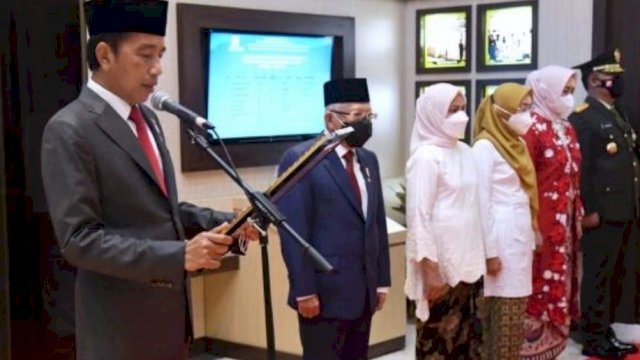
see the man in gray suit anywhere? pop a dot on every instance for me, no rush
(112, 195)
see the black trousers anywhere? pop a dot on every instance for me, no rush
(335, 339)
(609, 289)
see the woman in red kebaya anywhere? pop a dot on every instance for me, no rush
(556, 155)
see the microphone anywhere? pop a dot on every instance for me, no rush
(162, 101)
(341, 133)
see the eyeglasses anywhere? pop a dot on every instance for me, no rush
(357, 115)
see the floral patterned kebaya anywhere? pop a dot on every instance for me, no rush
(556, 154)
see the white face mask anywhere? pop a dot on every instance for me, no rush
(565, 106)
(456, 124)
(519, 122)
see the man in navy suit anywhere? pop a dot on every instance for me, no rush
(338, 208)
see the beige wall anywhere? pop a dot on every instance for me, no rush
(564, 38)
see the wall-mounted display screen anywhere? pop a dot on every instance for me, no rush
(265, 87)
(258, 77)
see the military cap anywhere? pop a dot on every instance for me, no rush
(607, 63)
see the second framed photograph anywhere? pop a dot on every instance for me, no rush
(443, 40)
(485, 88)
(507, 36)
(464, 85)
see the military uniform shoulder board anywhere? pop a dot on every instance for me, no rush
(582, 107)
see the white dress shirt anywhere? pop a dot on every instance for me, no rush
(123, 109)
(507, 228)
(443, 218)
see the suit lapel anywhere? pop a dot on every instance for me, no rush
(117, 130)
(339, 175)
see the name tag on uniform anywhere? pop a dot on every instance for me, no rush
(606, 126)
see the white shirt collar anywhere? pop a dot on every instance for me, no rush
(341, 150)
(117, 103)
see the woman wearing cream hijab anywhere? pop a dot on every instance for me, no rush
(445, 254)
(509, 202)
(556, 155)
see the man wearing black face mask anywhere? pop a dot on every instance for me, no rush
(610, 187)
(338, 208)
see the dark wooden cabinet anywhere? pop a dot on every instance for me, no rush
(40, 71)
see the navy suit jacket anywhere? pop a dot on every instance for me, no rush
(322, 208)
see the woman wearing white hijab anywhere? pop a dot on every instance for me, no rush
(445, 252)
(556, 156)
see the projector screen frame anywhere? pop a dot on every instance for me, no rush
(193, 20)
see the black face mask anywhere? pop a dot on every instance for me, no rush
(614, 86)
(362, 130)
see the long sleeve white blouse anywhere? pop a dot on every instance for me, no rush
(443, 218)
(507, 228)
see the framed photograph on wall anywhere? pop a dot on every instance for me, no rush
(485, 88)
(464, 85)
(443, 40)
(507, 36)
(465, 88)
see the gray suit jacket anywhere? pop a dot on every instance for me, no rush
(125, 236)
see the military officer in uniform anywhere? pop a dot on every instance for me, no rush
(610, 189)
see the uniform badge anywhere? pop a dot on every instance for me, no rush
(612, 148)
(582, 107)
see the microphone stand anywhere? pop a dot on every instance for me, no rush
(266, 213)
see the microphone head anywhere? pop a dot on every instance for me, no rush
(158, 98)
(343, 132)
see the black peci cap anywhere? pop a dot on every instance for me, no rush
(345, 91)
(115, 16)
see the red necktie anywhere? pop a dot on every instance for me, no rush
(147, 146)
(348, 157)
